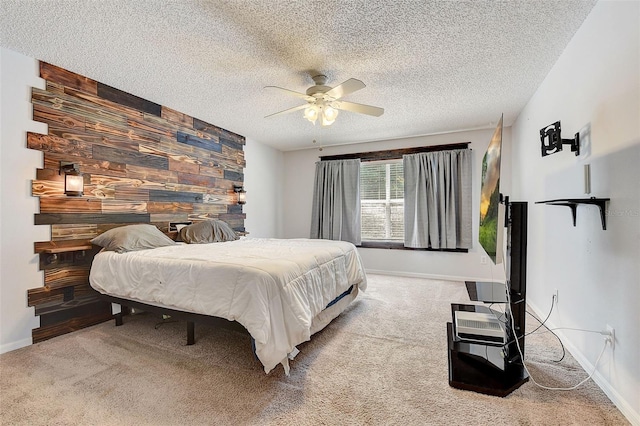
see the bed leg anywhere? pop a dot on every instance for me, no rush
(118, 318)
(190, 333)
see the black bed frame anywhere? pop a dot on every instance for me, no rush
(189, 317)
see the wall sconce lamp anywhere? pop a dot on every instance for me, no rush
(551, 141)
(242, 194)
(73, 181)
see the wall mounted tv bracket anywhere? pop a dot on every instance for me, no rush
(551, 141)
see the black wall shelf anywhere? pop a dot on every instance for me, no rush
(573, 203)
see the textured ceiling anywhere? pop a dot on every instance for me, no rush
(434, 66)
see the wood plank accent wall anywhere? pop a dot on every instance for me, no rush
(141, 163)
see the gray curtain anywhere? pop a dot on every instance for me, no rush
(437, 199)
(336, 201)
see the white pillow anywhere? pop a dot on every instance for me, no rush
(132, 238)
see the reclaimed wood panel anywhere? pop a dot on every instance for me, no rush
(49, 175)
(223, 199)
(174, 196)
(59, 246)
(142, 163)
(47, 188)
(154, 125)
(199, 142)
(87, 166)
(169, 217)
(102, 152)
(160, 207)
(200, 180)
(233, 176)
(65, 204)
(100, 192)
(116, 183)
(176, 117)
(216, 172)
(151, 174)
(93, 98)
(55, 306)
(117, 131)
(76, 323)
(63, 277)
(68, 218)
(217, 131)
(74, 231)
(58, 145)
(76, 106)
(173, 152)
(66, 259)
(132, 194)
(63, 77)
(123, 206)
(184, 166)
(212, 210)
(127, 99)
(54, 87)
(57, 118)
(40, 295)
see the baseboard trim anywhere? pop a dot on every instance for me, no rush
(618, 400)
(8, 347)
(421, 275)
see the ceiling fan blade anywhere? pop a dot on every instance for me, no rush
(345, 88)
(360, 108)
(292, 93)
(286, 111)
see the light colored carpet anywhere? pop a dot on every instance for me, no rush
(382, 362)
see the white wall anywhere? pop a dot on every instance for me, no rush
(263, 179)
(593, 88)
(18, 264)
(299, 170)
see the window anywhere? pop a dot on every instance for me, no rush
(382, 200)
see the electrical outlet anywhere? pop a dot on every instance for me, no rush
(555, 294)
(483, 260)
(612, 336)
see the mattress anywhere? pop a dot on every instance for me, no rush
(274, 288)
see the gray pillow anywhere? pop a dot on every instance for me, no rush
(132, 238)
(208, 231)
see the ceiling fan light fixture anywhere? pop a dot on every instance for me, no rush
(311, 113)
(329, 115)
(324, 102)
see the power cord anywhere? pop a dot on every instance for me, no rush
(607, 340)
(166, 319)
(543, 324)
(595, 367)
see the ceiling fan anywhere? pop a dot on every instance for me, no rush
(324, 102)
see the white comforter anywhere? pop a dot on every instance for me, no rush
(272, 287)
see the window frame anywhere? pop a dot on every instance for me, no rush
(394, 154)
(388, 201)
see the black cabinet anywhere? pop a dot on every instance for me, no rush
(487, 368)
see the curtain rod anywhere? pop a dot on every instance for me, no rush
(392, 154)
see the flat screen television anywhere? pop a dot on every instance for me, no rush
(491, 229)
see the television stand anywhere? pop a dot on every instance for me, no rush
(482, 367)
(486, 367)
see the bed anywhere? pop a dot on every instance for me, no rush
(281, 291)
